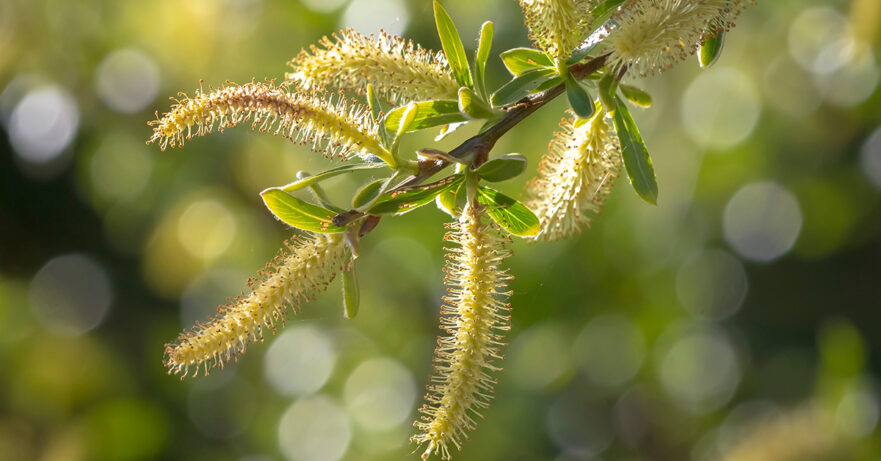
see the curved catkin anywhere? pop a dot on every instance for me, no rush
(474, 315)
(304, 269)
(398, 69)
(575, 176)
(557, 26)
(333, 128)
(653, 35)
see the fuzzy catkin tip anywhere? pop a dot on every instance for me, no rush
(333, 128)
(474, 316)
(557, 26)
(299, 272)
(653, 35)
(398, 69)
(575, 177)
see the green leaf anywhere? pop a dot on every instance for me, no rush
(471, 105)
(446, 201)
(367, 193)
(519, 60)
(404, 122)
(428, 114)
(605, 9)
(297, 213)
(508, 213)
(310, 180)
(522, 85)
(607, 87)
(351, 294)
(483, 48)
(452, 46)
(580, 101)
(448, 129)
(711, 49)
(401, 202)
(636, 156)
(636, 95)
(502, 168)
(373, 102)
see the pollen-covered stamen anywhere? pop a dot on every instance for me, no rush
(333, 128)
(653, 35)
(474, 316)
(575, 176)
(301, 271)
(398, 69)
(557, 26)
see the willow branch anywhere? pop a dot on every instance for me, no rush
(481, 144)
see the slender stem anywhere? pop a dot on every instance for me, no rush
(480, 145)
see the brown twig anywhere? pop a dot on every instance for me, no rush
(480, 145)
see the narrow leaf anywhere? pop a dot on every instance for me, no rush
(367, 193)
(351, 294)
(401, 202)
(607, 87)
(446, 201)
(636, 95)
(605, 9)
(636, 156)
(508, 213)
(471, 105)
(580, 101)
(373, 102)
(711, 49)
(448, 129)
(519, 60)
(452, 45)
(297, 213)
(483, 49)
(428, 114)
(522, 85)
(310, 180)
(502, 168)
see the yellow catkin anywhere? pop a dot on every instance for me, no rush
(474, 316)
(557, 26)
(398, 69)
(333, 128)
(575, 176)
(653, 35)
(304, 269)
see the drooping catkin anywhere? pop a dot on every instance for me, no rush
(575, 177)
(474, 316)
(557, 26)
(398, 69)
(333, 128)
(653, 35)
(299, 272)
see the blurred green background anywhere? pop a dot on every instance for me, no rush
(736, 320)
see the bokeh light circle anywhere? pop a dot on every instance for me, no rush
(539, 357)
(206, 228)
(127, 80)
(314, 429)
(700, 370)
(712, 284)
(70, 294)
(581, 429)
(369, 16)
(300, 360)
(380, 394)
(821, 39)
(762, 221)
(610, 350)
(720, 108)
(43, 124)
(120, 168)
